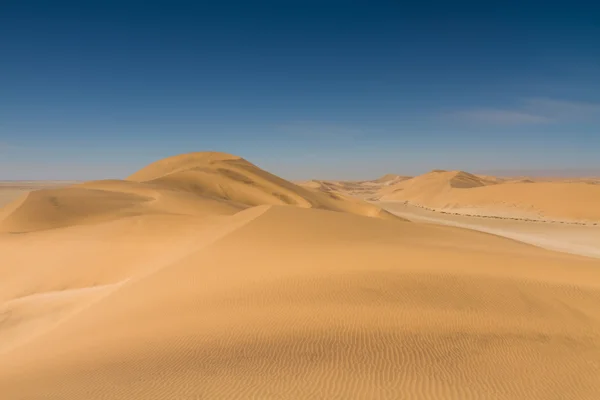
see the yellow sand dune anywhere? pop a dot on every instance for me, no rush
(357, 189)
(439, 180)
(50, 208)
(204, 183)
(175, 284)
(391, 178)
(225, 176)
(467, 193)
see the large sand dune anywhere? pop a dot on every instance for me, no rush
(225, 176)
(470, 194)
(193, 280)
(204, 183)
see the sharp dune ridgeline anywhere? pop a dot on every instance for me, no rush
(204, 277)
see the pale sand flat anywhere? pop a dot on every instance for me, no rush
(465, 193)
(570, 238)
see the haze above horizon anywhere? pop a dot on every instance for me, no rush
(329, 90)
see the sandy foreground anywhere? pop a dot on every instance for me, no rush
(216, 280)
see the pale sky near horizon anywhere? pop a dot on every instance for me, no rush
(305, 89)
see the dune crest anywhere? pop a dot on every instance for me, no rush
(223, 176)
(180, 162)
(201, 183)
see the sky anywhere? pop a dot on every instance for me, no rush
(304, 89)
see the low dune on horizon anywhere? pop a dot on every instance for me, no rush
(572, 200)
(202, 276)
(12, 190)
(470, 194)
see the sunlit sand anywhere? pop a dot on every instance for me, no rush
(204, 277)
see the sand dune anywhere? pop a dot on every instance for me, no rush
(358, 189)
(470, 194)
(388, 179)
(224, 176)
(193, 280)
(12, 190)
(206, 183)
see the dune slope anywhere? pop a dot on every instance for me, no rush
(283, 302)
(470, 194)
(230, 177)
(12, 190)
(196, 279)
(199, 184)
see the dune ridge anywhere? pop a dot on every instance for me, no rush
(225, 176)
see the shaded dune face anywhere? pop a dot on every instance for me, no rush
(439, 180)
(463, 179)
(46, 209)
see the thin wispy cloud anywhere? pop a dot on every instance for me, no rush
(500, 117)
(562, 108)
(535, 110)
(318, 130)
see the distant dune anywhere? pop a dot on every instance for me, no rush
(391, 178)
(471, 194)
(359, 189)
(12, 190)
(204, 277)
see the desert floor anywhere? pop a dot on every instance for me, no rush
(558, 236)
(197, 278)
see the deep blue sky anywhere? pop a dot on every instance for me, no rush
(302, 88)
